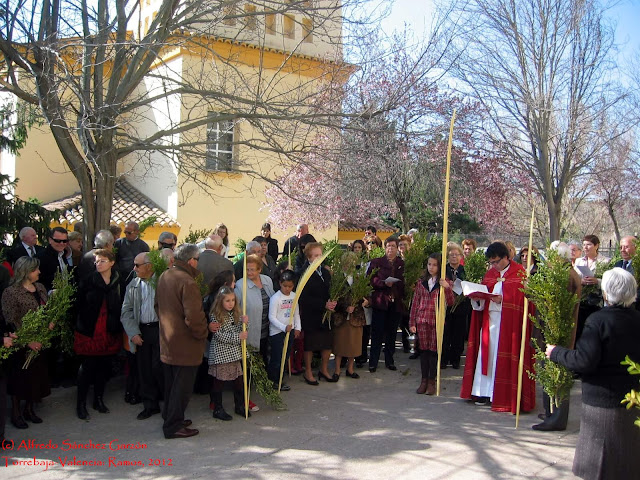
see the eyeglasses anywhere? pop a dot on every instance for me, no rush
(138, 265)
(98, 262)
(494, 262)
(60, 240)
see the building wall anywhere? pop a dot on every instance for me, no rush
(249, 22)
(40, 168)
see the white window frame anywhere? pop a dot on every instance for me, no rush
(220, 155)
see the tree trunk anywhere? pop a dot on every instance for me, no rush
(614, 220)
(554, 209)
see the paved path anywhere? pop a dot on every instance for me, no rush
(370, 428)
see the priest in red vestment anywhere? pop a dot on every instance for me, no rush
(493, 351)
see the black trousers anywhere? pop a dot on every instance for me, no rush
(93, 369)
(366, 335)
(384, 328)
(428, 364)
(132, 383)
(455, 330)
(178, 385)
(150, 374)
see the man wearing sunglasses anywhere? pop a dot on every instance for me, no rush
(167, 240)
(53, 258)
(127, 248)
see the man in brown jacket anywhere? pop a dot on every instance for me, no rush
(183, 331)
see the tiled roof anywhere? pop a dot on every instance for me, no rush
(129, 204)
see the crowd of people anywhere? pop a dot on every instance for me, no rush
(176, 340)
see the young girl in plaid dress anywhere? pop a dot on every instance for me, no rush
(423, 320)
(225, 352)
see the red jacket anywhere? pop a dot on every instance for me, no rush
(423, 313)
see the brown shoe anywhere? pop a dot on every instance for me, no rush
(423, 387)
(431, 387)
(184, 432)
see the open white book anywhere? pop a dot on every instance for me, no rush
(476, 290)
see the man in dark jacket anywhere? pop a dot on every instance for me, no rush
(211, 261)
(126, 250)
(26, 246)
(53, 259)
(183, 331)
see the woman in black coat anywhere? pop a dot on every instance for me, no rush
(314, 301)
(98, 333)
(609, 441)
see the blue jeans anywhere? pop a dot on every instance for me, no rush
(277, 345)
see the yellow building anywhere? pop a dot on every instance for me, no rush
(280, 55)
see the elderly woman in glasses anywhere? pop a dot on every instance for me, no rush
(608, 443)
(98, 330)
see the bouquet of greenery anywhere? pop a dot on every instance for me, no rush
(333, 260)
(555, 304)
(475, 267)
(414, 264)
(592, 294)
(159, 265)
(361, 287)
(34, 328)
(632, 399)
(339, 286)
(376, 252)
(260, 379)
(47, 322)
(58, 308)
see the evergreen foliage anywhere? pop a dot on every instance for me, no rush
(549, 291)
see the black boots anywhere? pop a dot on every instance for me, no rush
(81, 410)
(238, 401)
(218, 411)
(556, 421)
(99, 405)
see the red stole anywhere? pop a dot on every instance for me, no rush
(506, 376)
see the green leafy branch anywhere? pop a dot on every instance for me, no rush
(260, 379)
(549, 291)
(632, 399)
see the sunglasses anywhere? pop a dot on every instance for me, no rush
(129, 233)
(138, 265)
(60, 240)
(167, 245)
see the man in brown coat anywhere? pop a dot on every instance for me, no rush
(183, 331)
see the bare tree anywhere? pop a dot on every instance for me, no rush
(614, 180)
(105, 77)
(545, 72)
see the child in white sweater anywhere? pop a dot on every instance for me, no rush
(280, 323)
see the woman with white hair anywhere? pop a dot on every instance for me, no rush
(609, 441)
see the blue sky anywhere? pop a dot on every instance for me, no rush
(417, 13)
